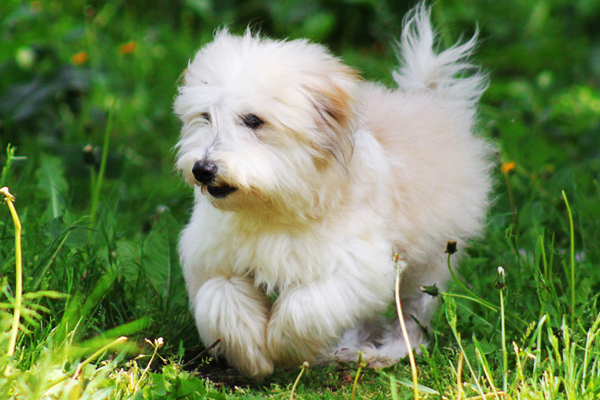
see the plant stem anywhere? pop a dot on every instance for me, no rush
(304, 366)
(400, 266)
(156, 345)
(9, 199)
(358, 371)
(504, 352)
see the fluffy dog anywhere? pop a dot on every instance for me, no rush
(306, 180)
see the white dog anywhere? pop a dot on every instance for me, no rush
(306, 179)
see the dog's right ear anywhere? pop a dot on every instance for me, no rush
(333, 96)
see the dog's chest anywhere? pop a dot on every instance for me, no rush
(278, 259)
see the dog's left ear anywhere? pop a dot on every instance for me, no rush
(333, 96)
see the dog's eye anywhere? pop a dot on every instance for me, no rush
(252, 121)
(205, 116)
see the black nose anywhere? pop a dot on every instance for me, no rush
(204, 171)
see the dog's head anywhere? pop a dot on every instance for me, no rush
(264, 121)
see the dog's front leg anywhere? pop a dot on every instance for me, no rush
(308, 319)
(234, 310)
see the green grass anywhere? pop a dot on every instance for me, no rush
(100, 227)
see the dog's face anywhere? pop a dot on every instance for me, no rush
(264, 121)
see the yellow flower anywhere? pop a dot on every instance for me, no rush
(127, 48)
(506, 167)
(80, 58)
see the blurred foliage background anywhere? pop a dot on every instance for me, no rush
(65, 63)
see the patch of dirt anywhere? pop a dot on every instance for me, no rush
(222, 374)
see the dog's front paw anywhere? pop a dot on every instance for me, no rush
(290, 345)
(256, 364)
(233, 310)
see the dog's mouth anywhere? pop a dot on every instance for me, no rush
(221, 191)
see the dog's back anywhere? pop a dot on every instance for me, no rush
(427, 128)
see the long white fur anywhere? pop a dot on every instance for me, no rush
(342, 173)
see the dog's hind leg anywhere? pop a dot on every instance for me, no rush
(234, 310)
(381, 341)
(362, 338)
(392, 345)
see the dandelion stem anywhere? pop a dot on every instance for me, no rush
(501, 286)
(297, 381)
(157, 344)
(358, 371)
(9, 199)
(400, 266)
(504, 352)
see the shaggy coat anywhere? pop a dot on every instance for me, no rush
(307, 179)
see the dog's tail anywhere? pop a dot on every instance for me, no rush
(449, 73)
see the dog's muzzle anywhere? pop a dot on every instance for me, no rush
(205, 173)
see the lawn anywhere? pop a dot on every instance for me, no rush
(86, 148)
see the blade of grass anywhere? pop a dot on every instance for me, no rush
(464, 287)
(100, 178)
(393, 388)
(10, 155)
(481, 301)
(451, 317)
(40, 276)
(572, 263)
(485, 366)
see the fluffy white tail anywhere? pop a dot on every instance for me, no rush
(448, 73)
